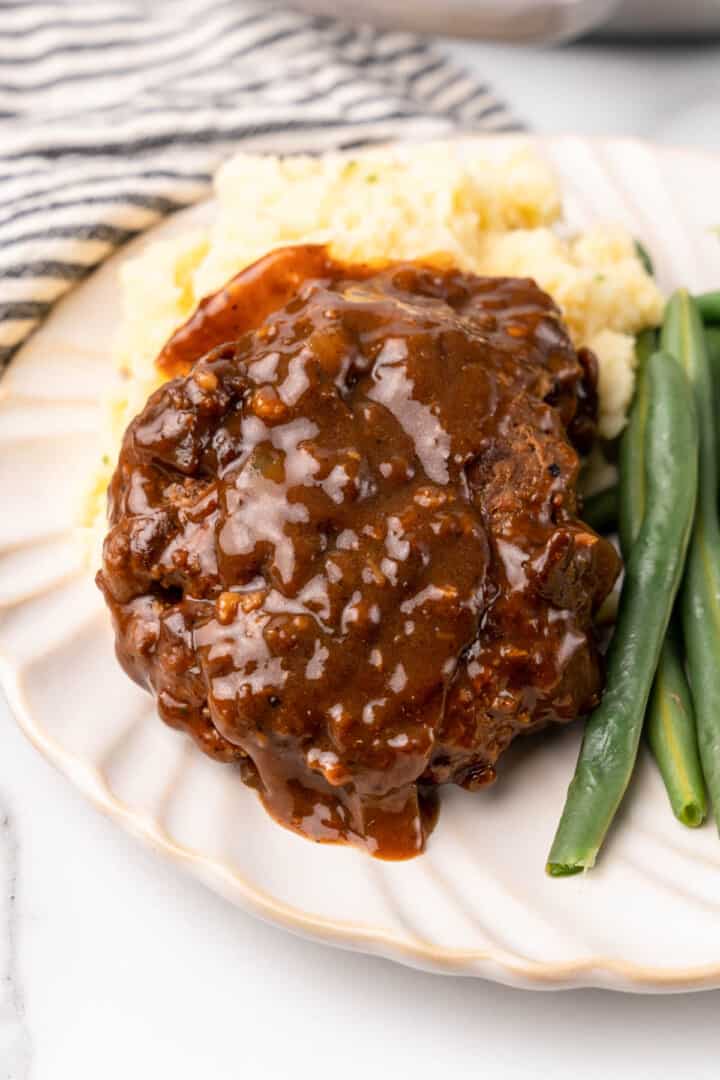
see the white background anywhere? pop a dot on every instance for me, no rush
(113, 965)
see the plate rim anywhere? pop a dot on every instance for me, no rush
(491, 962)
(231, 884)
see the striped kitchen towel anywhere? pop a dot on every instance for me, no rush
(115, 112)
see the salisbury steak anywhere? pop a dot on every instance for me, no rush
(344, 548)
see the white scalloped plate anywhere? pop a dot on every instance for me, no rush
(478, 902)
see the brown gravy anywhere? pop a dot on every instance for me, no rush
(344, 547)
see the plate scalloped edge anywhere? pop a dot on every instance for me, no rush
(490, 964)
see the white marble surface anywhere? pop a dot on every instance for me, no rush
(114, 965)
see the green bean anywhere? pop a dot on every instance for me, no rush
(600, 510)
(683, 335)
(709, 306)
(631, 509)
(652, 575)
(644, 256)
(670, 729)
(712, 341)
(671, 732)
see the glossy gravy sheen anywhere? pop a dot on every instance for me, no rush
(344, 549)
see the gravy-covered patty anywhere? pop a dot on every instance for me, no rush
(344, 548)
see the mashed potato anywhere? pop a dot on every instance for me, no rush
(490, 209)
